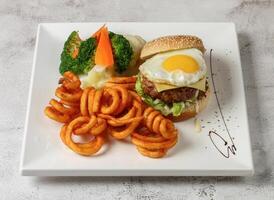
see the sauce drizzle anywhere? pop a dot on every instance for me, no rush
(227, 146)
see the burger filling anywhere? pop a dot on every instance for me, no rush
(173, 101)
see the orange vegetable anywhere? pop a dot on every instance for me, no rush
(97, 34)
(103, 55)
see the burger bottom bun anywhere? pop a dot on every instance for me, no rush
(192, 110)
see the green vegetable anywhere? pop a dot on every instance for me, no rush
(138, 86)
(67, 61)
(175, 109)
(85, 59)
(73, 42)
(86, 55)
(122, 51)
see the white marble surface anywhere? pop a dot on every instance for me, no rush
(255, 25)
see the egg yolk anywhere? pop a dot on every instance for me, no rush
(181, 62)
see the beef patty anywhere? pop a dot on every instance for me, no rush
(172, 95)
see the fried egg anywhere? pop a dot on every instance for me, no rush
(178, 67)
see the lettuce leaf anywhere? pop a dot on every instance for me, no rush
(175, 109)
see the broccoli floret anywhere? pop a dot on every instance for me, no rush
(68, 63)
(111, 34)
(73, 42)
(86, 55)
(84, 61)
(122, 51)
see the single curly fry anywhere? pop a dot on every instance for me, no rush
(148, 136)
(123, 133)
(91, 95)
(167, 144)
(156, 123)
(62, 109)
(70, 81)
(85, 128)
(84, 101)
(85, 149)
(53, 114)
(150, 119)
(124, 99)
(97, 101)
(167, 129)
(71, 104)
(74, 96)
(159, 153)
(99, 127)
(116, 122)
(110, 109)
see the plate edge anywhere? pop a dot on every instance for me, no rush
(29, 99)
(135, 173)
(251, 164)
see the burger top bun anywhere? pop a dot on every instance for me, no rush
(169, 43)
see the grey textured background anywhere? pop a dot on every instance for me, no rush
(255, 25)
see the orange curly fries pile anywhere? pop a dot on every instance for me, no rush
(114, 110)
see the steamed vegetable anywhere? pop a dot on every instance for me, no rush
(86, 55)
(122, 51)
(175, 109)
(103, 55)
(77, 55)
(97, 34)
(68, 60)
(103, 48)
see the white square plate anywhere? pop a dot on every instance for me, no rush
(196, 154)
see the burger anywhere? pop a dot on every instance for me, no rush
(172, 77)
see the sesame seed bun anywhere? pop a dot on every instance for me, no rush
(169, 43)
(192, 110)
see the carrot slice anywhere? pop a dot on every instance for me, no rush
(97, 34)
(103, 55)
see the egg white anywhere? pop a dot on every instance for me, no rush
(153, 68)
